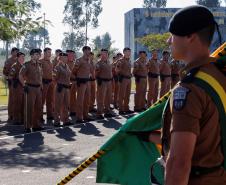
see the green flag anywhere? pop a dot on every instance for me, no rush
(128, 158)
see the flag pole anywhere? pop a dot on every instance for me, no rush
(81, 167)
(100, 153)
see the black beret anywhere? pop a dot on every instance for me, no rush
(33, 51)
(20, 53)
(14, 49)
(190, 20)
(39, 50)
(165, 52)
(63, 54)
(126, 49)
(47, 49)
(104, 50)
(70, 51)
(144, 52)
(58, 51)
(86, 48)
(119, 54)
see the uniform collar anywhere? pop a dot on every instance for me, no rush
(104, 61)
(18, 63)
(194, 64)
(85, 58)
(126, 59)
(34, 62)
(165, 61)
(154, 59)
(141, 60)
(63, 64)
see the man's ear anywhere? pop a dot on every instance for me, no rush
(192, 37)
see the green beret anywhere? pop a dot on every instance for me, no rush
(191, 20)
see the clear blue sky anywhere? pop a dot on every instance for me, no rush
(111, 19)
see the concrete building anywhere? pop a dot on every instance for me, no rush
(142, 21)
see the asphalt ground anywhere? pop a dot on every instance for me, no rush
(44, 158)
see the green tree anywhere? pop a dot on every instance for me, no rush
(104, 41)
(97, 43)
(209, 3)
(17, 17)
(81, 14)
(34, 39)
(155, 41)
(154, 3)
(73, 40)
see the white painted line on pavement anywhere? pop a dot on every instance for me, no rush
(77, 158)
(95, 137)
(66, 144)
(26, 171)
(90, 177)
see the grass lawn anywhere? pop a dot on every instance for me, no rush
(3, 94)
(3, 100)
(133, 85)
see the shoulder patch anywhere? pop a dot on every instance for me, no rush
(180, 97)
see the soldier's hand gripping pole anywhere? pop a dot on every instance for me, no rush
(81, 167)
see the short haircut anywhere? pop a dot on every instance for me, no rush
(206, 34)
(91, 53)
(119, 54)
(86, 48)
(47, 49)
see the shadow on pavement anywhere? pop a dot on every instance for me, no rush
(32, 152)
(32, 141)
(90, 129)
(129, 116)
(66, 133)
(111, 123)
(11, 130)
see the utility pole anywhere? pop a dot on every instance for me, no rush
(44, 34)
(86, 22)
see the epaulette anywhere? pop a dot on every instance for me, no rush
(190, 75)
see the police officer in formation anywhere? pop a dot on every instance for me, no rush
(71, 87)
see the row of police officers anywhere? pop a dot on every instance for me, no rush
(72, 87)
